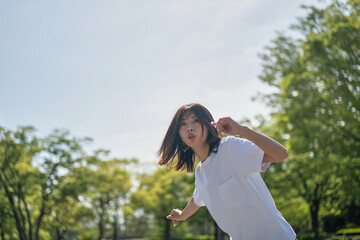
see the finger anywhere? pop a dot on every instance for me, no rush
(174, 222)
(224, 125)
(219, 126)
(223, 122)
(220, 120)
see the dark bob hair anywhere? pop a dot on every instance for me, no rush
(172, 145)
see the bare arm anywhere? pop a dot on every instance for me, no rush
(274, 151)
(177, 215)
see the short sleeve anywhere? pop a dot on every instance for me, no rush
(197, 199)
(246, 156)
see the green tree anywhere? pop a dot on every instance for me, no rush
(107, 187)
(30, 174)
(160, 192)
(69, 216)
(16, 152)
(6, 221)
(317, 105)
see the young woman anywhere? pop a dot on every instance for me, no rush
(227, 179)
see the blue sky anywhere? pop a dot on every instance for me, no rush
(117, 71)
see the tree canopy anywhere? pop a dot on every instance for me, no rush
(316, 106)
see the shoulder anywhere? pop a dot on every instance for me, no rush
(231, 140)
(231, 144)
(228, 143)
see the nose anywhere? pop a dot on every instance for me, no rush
(190, 128)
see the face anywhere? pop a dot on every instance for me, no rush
(191, 131)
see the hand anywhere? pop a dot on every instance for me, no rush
(228, 126)
(175, 216)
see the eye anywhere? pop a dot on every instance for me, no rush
(196, 121)
(182, 124)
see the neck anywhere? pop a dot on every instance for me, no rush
(202, 151)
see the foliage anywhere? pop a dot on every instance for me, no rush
(317, 109)
(162, 191)
(7, 224)
(31, 191)
(49, 188)
(107, 187)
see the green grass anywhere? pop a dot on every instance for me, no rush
(203, 237)
(348, 231)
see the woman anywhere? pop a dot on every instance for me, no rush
(227, 179)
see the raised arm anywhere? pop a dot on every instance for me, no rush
(177, 215)
(274, 151)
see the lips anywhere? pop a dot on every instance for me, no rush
(191, 136)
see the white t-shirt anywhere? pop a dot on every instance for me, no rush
(229, 184)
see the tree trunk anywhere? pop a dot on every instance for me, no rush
(126, 227)
(219, 234)
(59, 235)
(167, 229)
(39, 220)
(115, 234)
(101, 220)
(216, 233)
(314, 210)
(101, 230)
(19, 227)
(28, 215)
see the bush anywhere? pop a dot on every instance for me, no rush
(311, 236)
(333, 222)
(305, 236)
